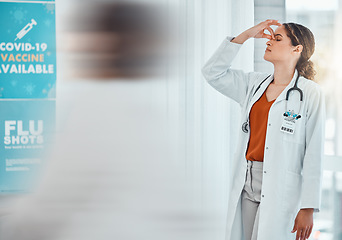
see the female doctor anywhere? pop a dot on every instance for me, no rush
(276, 186)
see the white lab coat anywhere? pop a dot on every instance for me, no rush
(292, 174)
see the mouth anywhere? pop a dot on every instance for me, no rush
(267, 50)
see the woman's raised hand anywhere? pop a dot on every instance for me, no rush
(258, 31)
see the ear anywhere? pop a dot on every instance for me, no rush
(298, 48)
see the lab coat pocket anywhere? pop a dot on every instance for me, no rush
(292, 191)
(298, 136)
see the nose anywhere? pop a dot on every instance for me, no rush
(268, 43)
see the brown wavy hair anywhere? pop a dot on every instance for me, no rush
(301, 35)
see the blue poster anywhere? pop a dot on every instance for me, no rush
(27, 50)
(27, 91)
(26, 132)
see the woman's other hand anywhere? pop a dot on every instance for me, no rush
(303, 223)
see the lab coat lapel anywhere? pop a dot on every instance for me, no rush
(258, 94)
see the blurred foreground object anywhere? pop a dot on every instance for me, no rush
(112, 174)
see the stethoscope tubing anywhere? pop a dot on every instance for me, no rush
(294, 88)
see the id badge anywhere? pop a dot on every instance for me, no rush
(288, 125)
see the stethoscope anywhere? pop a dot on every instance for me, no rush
(286, 113)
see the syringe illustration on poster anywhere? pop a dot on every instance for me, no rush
(26, 29)
(27, 50)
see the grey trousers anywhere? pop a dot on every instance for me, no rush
(251, 199)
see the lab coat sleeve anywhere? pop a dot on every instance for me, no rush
(314, 153)
(230, 82)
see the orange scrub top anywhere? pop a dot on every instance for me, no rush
(258, 124)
